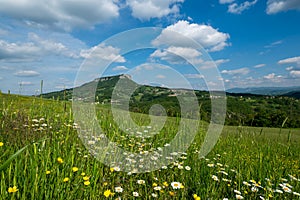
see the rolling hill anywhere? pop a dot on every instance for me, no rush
(242, 108)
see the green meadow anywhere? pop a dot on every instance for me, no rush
(42, 157)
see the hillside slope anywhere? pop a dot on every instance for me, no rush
(242, 108)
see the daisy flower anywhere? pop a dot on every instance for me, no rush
(119, 189)
(176, 185)
(135, 194)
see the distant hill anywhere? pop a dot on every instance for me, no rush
(271, 91)
(295, 94)
(263, 107)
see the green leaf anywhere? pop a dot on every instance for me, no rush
(11, 158)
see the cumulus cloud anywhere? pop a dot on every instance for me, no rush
(239, 8)
(276, 6)
(241, 71)
(120, 68)
(273, 77)
(209, 37)
(60, 14)
(26, 73)
(147, 9)
(295, 73)
(103, 52)
(17, 50)
(178, 55)
(33, 48)
(50, 46)
(270, 76)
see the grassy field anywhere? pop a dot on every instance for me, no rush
(42, 157)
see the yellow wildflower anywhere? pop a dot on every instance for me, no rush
(1, 144)
(60, 160)
(66, 179)
(74, 169)
(12, 189)
(196, 197)
(48, 172)
(86, 178)
(86, 182)
(108, 193)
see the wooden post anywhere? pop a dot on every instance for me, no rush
(42, 83)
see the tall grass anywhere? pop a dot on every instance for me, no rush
(254, 163)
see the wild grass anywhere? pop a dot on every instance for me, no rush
(247, 162)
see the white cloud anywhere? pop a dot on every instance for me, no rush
(26, 73)
(273, 77)
(290, 60)
(293, 60)
(241, 71)
(178, 55)
(150, 67)
(295, 73)
(207, 36)
(270, 76)
(34, 47)
(276, 6)
(226, 1)
(50, 46)
(239, 8)
(147, 9)
(60, 14)
(221, 61)
(103, 52)
(17, 50)
(259, 66)
(120, 68)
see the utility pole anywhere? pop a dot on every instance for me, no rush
(42, 82)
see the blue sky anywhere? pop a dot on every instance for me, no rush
(252, 43)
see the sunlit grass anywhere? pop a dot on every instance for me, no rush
(246, 163)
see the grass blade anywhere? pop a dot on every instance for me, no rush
(11, 158)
